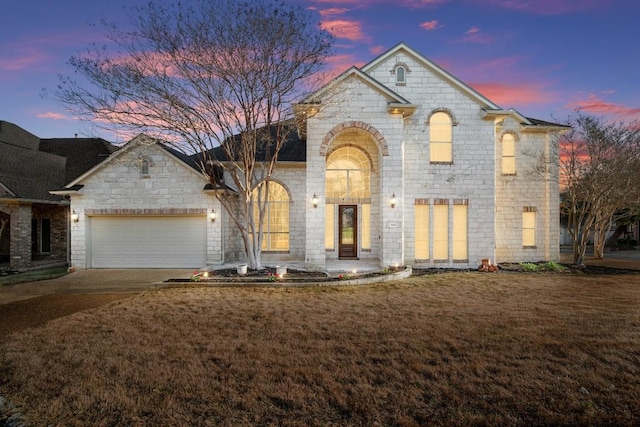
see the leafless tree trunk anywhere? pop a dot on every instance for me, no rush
(208, 75)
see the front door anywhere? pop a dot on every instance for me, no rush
(348, 231)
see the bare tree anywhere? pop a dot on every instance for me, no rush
(600, 169)
(207, 74)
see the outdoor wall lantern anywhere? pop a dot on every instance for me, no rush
(394, 201)
(74, 216)
(213, 215)
(314, 200)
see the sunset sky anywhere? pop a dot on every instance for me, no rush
(544, 58)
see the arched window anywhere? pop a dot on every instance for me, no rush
(401, 75)
(276, 222)
(144, 167)
(348, 174)
(441, 137)
(508, 154)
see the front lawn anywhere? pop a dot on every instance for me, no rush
(449, 349)
(33, 275)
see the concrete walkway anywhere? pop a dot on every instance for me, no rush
(92, 281)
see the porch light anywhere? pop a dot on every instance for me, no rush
(314, 200)
(74, 216)
(394, 201)
(213, 215)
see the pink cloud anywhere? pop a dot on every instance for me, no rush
(52, 115)
(333, 11)
(377, 50)
(547, 7)
(26, 59)
(431, 25)
(413, 4)
(510, 94)
(596, 105)
(344, 29)
(475, 35)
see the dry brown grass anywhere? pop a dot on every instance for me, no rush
(453, 349)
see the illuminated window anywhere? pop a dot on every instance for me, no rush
(508, 154)
(365, 232)
(348, 174)
(329, 227)
(441, 137)
(460, 231)
(421, 227)
(276, 222)
(529, 227)
(440, 232)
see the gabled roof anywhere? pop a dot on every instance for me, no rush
(294, 148)
(140, 139)
(354, 71)
(436, 69)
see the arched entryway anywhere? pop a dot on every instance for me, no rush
(352, 182)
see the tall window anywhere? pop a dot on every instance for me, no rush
(440, 231)
(508, 154)
(348, 174)
(329, 226)
(460, 231)
(529, 226)
(421, 227)
(401, 77)
(365, 232)
(276, 222)
(441, 137)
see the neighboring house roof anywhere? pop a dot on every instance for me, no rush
(81, 153)
(29, 174)
(30, 167)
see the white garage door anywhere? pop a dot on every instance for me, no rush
(148, 241)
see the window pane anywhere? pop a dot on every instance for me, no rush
(46, 235)
(441, 152)
(421, 226)
(508, 165)
(329, 227)
(508, 154)
(441, 232)
(366, 226)
(460, 232)
(276, 222)
(528, 228)
(336, 184)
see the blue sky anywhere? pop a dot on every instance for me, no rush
(545, 58)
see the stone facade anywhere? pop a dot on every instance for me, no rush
(387, 121)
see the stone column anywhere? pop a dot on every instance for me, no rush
(20, 229)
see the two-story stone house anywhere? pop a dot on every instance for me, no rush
(397, 161)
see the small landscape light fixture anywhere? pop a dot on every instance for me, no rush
(205, 274)
(213, 215)
(74, 216)
(394, 201)
(314, 200)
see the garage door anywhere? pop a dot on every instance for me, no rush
(148, 241)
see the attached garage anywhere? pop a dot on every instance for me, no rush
(147, 241)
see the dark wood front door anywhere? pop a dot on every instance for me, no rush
(348, 231)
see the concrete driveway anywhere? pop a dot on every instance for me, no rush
(92, 282)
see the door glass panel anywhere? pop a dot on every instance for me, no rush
(347, 226)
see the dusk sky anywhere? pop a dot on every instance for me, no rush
(544, 58)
